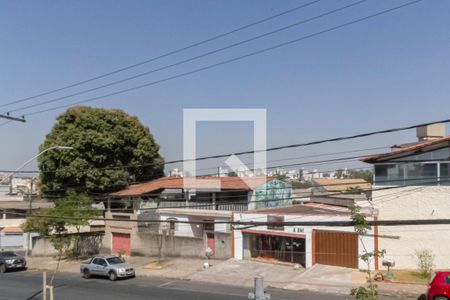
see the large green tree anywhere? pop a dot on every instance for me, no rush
(110, 150)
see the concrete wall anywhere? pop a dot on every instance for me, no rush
(11, 222)
(414, 202)
(147, 244)
(195, 230)
(222, 227)
(43, 247)
(8, 240)
(15, 241)
(223, 245)
(89, 244)
(185, 229)
(366, 243)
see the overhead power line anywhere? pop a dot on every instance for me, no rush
(215, 168)
(208, 53)
(230, 60)
(293, 196)
(165, 54)
(251, 223)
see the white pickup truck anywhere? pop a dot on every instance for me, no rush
(110, 266)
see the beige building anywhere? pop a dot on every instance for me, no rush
(417, 178)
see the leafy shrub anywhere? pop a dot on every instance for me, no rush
(362, 293)
(425, 262)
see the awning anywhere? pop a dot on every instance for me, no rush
(276, 233)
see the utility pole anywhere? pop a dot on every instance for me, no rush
(44, 285)
(258, 292)
(8, 117)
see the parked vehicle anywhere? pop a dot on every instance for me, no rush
(439, 287)
(110, 266)
(10, 260)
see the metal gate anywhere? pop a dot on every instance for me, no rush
(335, 248)
(121, 243)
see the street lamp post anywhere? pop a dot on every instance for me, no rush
(31, 187)
(33, 158)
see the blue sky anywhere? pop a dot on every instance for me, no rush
(390, 71)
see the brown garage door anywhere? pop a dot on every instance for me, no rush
(121, 243)
(335, 248)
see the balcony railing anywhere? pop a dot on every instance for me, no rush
(204, 205)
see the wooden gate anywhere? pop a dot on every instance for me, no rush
(121, 243)
(335, 248)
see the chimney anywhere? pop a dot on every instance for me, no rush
(430, 132)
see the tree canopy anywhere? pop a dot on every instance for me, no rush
(110, 149)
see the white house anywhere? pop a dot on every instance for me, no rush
(419, 174)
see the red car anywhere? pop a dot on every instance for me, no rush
(439, 288)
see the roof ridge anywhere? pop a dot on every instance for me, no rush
(406, 149)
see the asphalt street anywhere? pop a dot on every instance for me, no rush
(69, 286)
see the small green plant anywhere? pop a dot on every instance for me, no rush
(365, 293)
(425, 262)
(354, 190)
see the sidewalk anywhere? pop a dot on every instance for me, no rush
(319, 278)
(174, 268)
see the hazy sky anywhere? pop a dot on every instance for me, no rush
(389, 71)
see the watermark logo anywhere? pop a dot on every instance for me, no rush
(190, 119)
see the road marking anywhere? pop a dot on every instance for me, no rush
(165, 284)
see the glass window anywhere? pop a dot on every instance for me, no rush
(114, 261)
(99, 261)
(439, 154)
(381, 170)
(445, 174)
(407, 174)
(447, 280)
(208, 226)
(424, 174)
(392, 174)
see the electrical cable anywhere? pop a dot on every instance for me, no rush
(190, 59)
(229, 60)
(211, 168)
(163, 55)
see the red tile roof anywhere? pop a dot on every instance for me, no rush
(421, 147)
(204, 182)
(12, 230)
